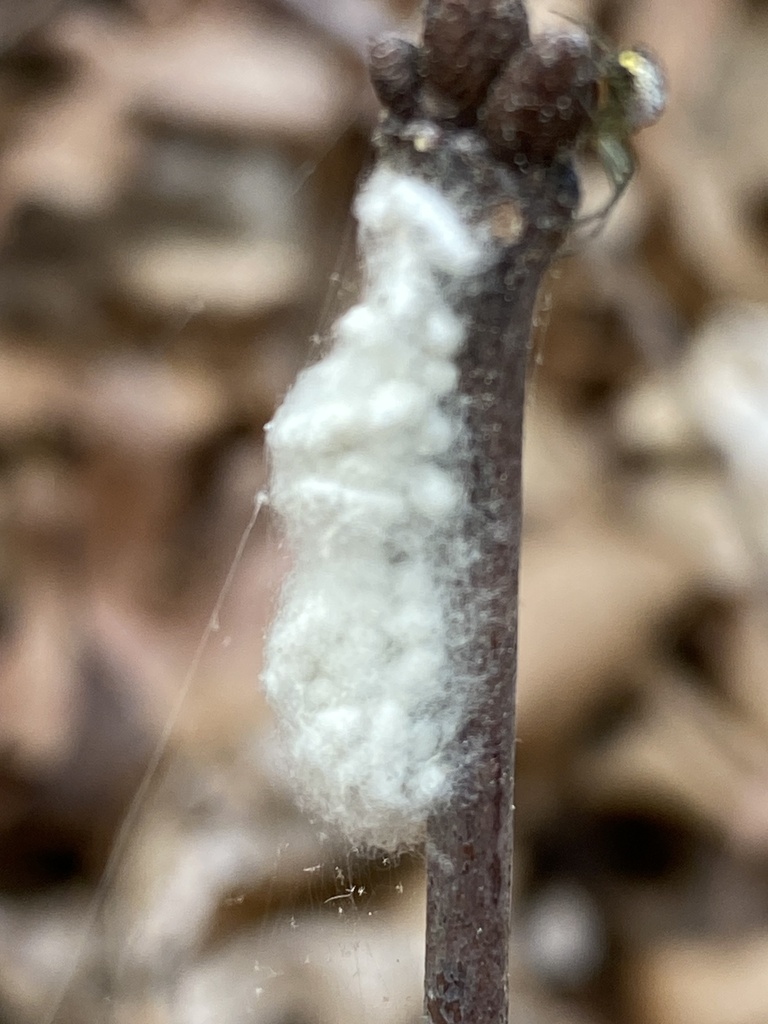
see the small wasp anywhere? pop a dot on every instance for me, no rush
(631, 95)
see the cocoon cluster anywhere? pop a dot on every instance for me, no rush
(368, 456)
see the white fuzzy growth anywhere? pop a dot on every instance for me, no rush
(367, 453)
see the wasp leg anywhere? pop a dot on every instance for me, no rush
(618, 164)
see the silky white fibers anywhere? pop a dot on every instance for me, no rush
(367, 455)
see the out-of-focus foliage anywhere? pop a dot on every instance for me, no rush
(175, 177)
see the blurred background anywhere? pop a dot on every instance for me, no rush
(175, 181)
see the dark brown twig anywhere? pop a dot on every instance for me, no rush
(492, 119)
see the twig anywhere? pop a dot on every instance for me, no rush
(506, 166)
(396, 464)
